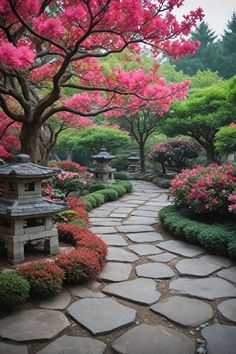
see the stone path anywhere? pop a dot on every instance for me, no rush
(155, 295)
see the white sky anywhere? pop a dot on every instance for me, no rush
(217, 12)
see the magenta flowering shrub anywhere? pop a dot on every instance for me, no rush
(173, 153)
(232, 200)
(205, 189)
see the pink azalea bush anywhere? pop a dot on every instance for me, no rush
(232, 200)
(206, 189)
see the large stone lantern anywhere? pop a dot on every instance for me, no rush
(26, 217)
(133, 162)
(102, 172)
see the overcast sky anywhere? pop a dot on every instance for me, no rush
(217, 12)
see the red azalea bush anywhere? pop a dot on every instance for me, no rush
(69, 166)
(78, 205)
(79, 265)
(79, 236)
(232, 200)
(45, 277)
(173, 153)
(205, 189)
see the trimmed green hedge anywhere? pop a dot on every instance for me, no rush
(109, 194)
(126, 184)
(216, 238)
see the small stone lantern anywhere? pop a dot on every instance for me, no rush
(26, 217)
(102, 172)
(133, 162)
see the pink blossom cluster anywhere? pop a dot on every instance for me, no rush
(232, 199)
(64, 175)
(205, 189)
(20, 57)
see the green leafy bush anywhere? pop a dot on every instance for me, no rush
(89, 198)
(119, 189)
(126, 184)
(216, 238)
(98, 197)
(120, 176)
(13, 289)
(121, 162)
(109, 194)
(93, 187)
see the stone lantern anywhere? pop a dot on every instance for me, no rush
(26, 217)
(133, 162)
(102, 172)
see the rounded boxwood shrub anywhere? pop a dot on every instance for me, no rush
(78, 265)
(109, 194)
(14, 289)
(45, 278)
(119, 189)
(216, 238)
(93, 187)
(89, 198)
(125, 184)
(99, 197)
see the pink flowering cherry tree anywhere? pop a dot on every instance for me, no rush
(50, 49)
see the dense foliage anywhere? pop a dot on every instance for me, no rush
(204, 190)
(173, 153)
(216, 238)
(225, 141)
(14, 289)
(45, 278)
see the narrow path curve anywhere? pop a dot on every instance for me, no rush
(155, 295)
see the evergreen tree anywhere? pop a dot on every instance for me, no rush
(206, 56)
(228, 67)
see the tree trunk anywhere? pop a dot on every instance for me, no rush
(142, 157)
(31, 144)
(211, 155)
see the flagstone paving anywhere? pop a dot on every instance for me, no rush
(134, 307)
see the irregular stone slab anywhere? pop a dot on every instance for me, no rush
(220, 261)
(142, 237)
(115, 272)
(229, 274)
(105, 223)
(7, 348)
(185, 311)
(206, 288)
(59, 302)
(148, 207)
(31, 325)
(101, 316)
(92, 284)
(154, 270)
(164, 257)
(142, 291)
(120, 215)
(227, 309)
(144, 250)
(135, 228)
(73, 345)
(103, 230)
(120, 255)
(123, 210)
(182, 248)
(113, 240)
(220, 339)
(153, 340)
(137, 220)
(147, 213)
(196, 267)
(83, 292)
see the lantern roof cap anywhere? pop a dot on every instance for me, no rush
(103, 155)
(23, 168)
